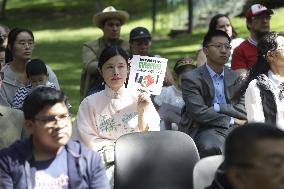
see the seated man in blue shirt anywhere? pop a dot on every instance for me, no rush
(48, 159)
(209, 113)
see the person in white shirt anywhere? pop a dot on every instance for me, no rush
(104, 116)
(170, 102)
(264, 84)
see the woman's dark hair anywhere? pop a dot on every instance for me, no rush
(214, 21)
(267, 43)
(11, 41)
(35, 67)
(110, 52)
(41, 97)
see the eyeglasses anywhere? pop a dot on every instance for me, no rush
(25, 44)
(220, 46)
(51, 121)
(1, 75)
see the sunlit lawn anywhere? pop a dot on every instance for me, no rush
(59, 42)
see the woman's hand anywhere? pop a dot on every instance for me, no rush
(143, 101)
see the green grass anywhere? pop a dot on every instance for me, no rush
(60, 30)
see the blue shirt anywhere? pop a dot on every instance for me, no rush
(52, 173)
(218, 82)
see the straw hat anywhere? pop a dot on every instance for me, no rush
(110, 13)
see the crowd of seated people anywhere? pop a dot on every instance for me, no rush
(211, 102)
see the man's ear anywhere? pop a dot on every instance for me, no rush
(235, 177)
(29, 126)
(248, 23)
(205, 51)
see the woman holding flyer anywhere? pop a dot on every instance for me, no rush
(104, 116)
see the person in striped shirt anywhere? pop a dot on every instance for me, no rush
(37, 74)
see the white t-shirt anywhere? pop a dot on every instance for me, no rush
(170, 95)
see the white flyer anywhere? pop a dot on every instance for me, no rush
(147, 72)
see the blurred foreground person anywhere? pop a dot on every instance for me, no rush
(254, 159)
(48, 159)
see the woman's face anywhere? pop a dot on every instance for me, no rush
(276, 57)
(23, 46)
(225, 25)
(114, 72)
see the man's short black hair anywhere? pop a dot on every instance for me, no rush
(41, 97)
(241, 142)
(217, 33)
(36, 67)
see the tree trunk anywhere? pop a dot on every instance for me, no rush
(2, 7)
(154, 11)
(190, 16)
(98, 6)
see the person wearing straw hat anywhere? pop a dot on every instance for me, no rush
(109, 21)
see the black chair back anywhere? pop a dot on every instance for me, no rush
(155, 160)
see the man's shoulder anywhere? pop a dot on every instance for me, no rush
(92, 43)
(194, 73)
(244, 45)
(230, 71)
(9, 112)
(76, 148)
(100, 43)
(18, 151)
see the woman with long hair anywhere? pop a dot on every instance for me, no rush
(264, 84)
(20, 45)
(106, 115)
